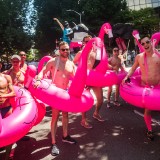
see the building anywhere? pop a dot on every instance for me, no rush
(138, 4)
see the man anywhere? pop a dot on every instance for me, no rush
(6, 92)
(16, 72)
(23, 66)
(97, 90)
(149, 63)
(66, 30)
(61, 69)
(115, 64)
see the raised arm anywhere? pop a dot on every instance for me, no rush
(44, 70)
(60, 24)
(132, 70)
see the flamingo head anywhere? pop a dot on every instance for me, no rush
(155, 39)
(135, 34)
(107, 29)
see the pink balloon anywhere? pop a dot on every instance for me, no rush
(137, 95)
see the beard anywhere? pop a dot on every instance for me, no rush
(64, 55)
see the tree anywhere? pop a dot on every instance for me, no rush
(145, 20)
(12, 23)
(95, 14)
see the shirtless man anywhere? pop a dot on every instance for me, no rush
(148, 61)
(61, 69)
(97, 90)
(116, 64)
(6, 92)
(16, 72)
(23, 65)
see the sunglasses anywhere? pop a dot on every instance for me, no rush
(64, 49)
(15, 61)
(147, 42)
(115, 50)
(22, 55)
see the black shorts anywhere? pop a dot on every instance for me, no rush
(5, 110)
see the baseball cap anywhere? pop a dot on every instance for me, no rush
(16, 57)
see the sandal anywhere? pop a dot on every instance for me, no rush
(116, 103)
(108, 104)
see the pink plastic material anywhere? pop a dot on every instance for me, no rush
(155, 39)
(23, 118)
(137, 95)
(135, 34)
(42, 62)
(29, 75)
(61, 99)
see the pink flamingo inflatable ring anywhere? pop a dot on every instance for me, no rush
(77, 99)
(100, 76)
(137, 95)
(23, 118)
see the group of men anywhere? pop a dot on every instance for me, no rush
(62, 69)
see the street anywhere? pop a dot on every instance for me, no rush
(120, 137)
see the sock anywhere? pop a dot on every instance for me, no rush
(147, 120)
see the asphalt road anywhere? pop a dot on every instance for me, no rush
(120, 137)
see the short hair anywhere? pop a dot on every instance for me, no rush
(88, 36)
(63, 43)
(146, 36)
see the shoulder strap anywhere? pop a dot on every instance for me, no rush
(56, 67)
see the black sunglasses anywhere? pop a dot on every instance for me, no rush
(147, 42)
(115, 50)
(64, 49)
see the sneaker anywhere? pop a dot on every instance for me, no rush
(116, 103)
(150, 135)
(98, 117)
(108, 105)
(85, 124)
(68, 139)
(54, 150)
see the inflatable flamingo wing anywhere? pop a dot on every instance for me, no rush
(135, 34)
(24, 116)
(61, 99)
(155, 39)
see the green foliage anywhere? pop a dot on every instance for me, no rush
(95, 14)
(12, 22)
(145, 20)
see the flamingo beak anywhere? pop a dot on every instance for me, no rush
(137, 36)
(110, 34)
(98, 53)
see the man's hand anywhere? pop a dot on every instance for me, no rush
(126, 80)
(55, 19)
(36, 84)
